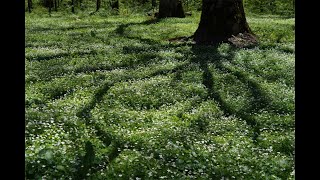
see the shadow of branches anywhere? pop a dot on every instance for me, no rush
(260, 99)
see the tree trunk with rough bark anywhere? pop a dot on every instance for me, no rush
(223, 21)
(171, 8)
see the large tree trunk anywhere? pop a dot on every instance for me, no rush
(221, 21)
(171, 8)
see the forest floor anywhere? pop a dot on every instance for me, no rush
(112, 98)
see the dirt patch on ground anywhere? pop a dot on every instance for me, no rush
(241, 40)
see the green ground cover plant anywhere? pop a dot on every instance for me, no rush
(109, 97)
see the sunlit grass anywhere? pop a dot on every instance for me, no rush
(152, 109)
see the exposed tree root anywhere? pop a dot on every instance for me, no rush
(243, 40)
(240, 41)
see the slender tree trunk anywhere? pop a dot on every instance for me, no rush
(50, 6)
(55, 5)
(72, 8)
(272, 6)
(29, 5)
(154, 3)
(187, 5)
(294, 6)
(98, 5)
(261, 6)
(114, 4)
(171, 8)
(221, 21)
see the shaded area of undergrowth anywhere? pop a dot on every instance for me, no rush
(112, 98)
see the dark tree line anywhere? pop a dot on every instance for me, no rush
(54, 4)
(221, 20)
(114, 4)
(284, 7)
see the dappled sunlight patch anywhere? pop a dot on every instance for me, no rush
(152, 93)
(273, 30)
(266, 65)
(69, 106)
(282, 98)
(278, 141)
(44, 52)
(51, 152)
(274, 122)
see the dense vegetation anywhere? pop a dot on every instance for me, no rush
(279, 7)
(109, 97)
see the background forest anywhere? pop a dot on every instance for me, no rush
(279, 7)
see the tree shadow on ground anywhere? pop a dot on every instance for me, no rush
(206, 57)
(144, 59)
(122, 27)
(110, 141)
(96, 25)
(199, 56)
(260, 99)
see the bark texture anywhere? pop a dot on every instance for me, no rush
(223, 20)
(171, 8)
